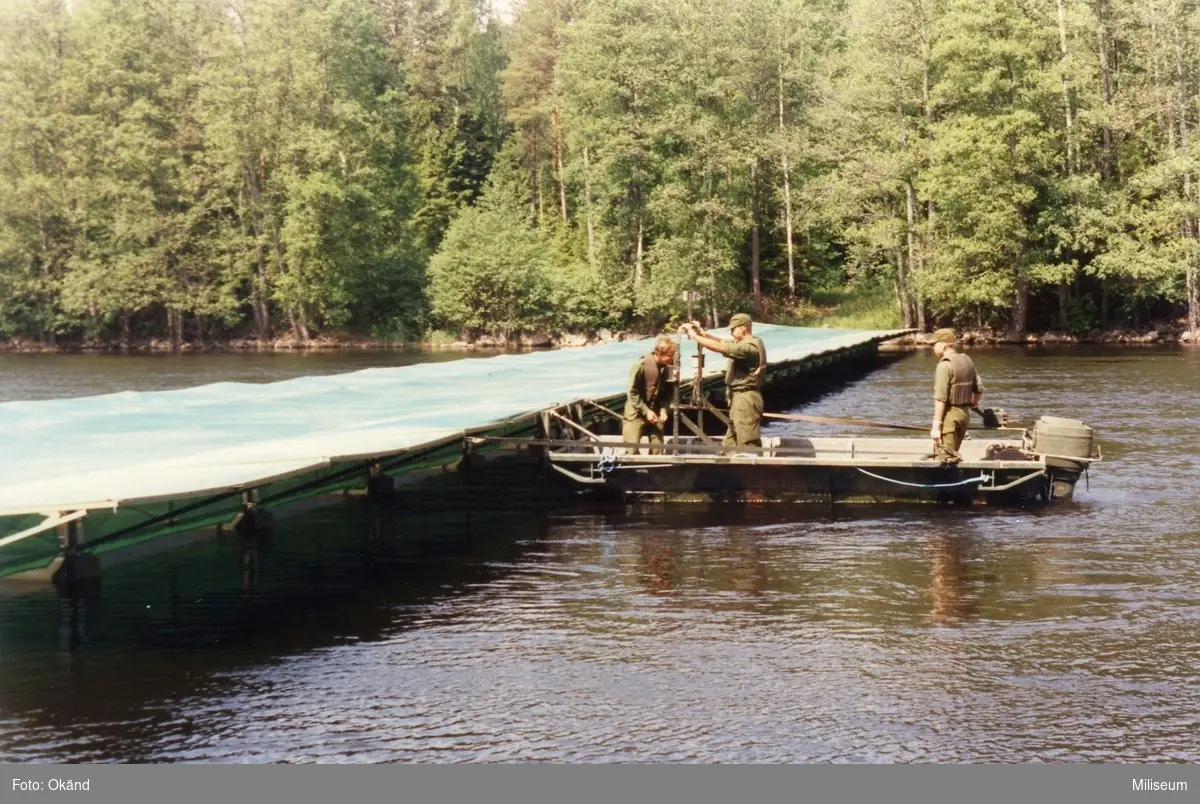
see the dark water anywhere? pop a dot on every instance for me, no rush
(694, 634)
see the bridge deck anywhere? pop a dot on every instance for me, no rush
(68, 456)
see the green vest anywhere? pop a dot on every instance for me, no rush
(963, 382)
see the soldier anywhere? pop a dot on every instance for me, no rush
(650, 392)
(956, 389)
(746, 360)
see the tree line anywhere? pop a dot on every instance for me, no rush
(196, 169)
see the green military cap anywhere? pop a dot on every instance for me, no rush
(943, 335)
(739, 320)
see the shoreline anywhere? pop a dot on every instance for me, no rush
(1120, 336)
(536, 342)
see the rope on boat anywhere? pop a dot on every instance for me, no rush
(983, 478)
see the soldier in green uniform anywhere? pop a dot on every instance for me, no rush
(956, 389)
(746, 360)
(650, 392)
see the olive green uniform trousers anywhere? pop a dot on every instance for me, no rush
(745, 419)
(954, 430)
(632, 431)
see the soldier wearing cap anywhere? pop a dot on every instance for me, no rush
(956, 389)
(650, 390)
(746, 361)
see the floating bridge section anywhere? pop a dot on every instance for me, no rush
(86, 475)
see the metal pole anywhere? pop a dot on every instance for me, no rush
(676, 366)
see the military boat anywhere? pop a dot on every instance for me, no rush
(1004, 465)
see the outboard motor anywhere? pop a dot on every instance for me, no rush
(1062, 438)
(1067, 446)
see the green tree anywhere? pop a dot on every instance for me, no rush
(38, 163)
(492, 273)
(991, 157)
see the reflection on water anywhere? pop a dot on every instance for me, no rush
(659, 557)
(731, 564)
(692, 633)
(951, 580)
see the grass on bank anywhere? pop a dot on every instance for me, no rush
(849, 307)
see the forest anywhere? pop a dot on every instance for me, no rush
(199, 170)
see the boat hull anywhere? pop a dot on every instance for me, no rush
(826, 472)
(834, 485)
